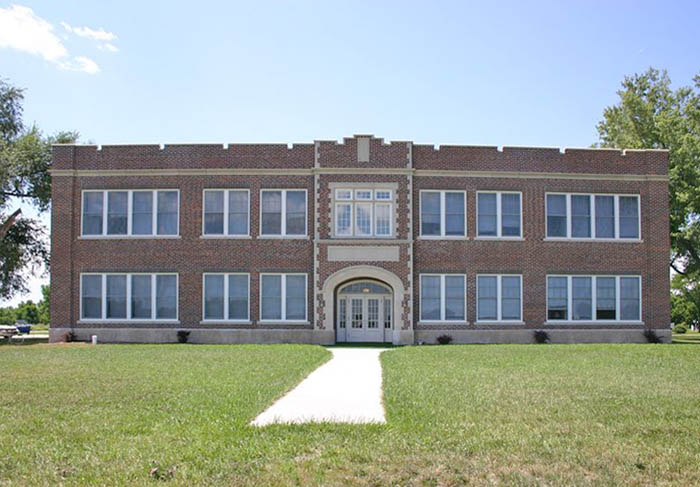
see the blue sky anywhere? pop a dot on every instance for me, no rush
(491, 73)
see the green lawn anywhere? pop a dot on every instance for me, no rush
(522, 415)
(690, 337)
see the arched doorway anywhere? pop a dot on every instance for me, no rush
(364, 312)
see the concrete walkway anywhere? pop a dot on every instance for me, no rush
(346, 389)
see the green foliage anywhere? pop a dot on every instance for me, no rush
(25, 160)
(680, 329)
(28, 311)
(44, 305)
(8, 316)
(685, 301)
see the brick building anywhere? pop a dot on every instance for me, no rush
(358, 241)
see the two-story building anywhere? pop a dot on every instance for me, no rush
(359, 241)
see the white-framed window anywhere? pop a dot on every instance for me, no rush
(128, 296)
(499, 297)
(363, 212)
(499, 214)
(594, 298)
(283, 297)
(226, 296)
(593, 216)
(283, 212)
(130, 213)
(226, 212)
(443, 297)
(443, 214)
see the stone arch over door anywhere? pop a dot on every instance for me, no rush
(366, 272)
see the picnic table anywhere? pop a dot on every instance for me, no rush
(8, 331)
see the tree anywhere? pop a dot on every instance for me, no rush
(27, 311)
(44, 305)
(651, 115)
(25, 160)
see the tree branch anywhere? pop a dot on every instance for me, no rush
(16, 194)
(673, 266)
(9, 222)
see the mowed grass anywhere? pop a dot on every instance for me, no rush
(457, 415)
(689, 337)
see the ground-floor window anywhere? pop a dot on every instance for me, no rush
(226, 297)
(593, 298)
(283, 297)
(498, 297)
(124, 296)
(442, 297)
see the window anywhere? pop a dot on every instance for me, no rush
(443, 213)
(226, 212)
(499, 298)
(592, 216)
(593, 298)
(363, 212)
(283, 297)
(499, 214)
(442, 297)
(226, 297)
(130, 213)
(283, 212)
(127, 297)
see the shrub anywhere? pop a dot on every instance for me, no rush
(183, 336)
(680, 328)
(651, 336)
(444, 339)
(541, 336)
(69, 337)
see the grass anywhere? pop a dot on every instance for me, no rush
(689, 337)
(520, 415)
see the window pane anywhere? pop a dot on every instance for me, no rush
(141, 296)
(271, 212)
(580, 216)
(343, 219)
(142, 213)
(556, 215)
(430, 213)
(629, 298)
(271, 305)
(116, 296)
(454, 298)
(363, 219)
(296, 213)
(487, 292)
(382, 194)
(238, 297)
(238, 213)
(342, 313)
(117, 203)
(92, 297)
(382, 218)
(166, 297)
(454, 214)
(92, 213)
(581, 296)
(629, 217)
(510, 298)
(387, 312)
(213, 297)
(486, 214)
(510, 215)
(296, 298)
(343, 194)
(167, 212)
(605, 298)
(363, 194)
(605, 217)
(557, 298)
(213, 212)
(430, 298)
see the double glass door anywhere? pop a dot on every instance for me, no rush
(364, 318)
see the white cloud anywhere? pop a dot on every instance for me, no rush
(24, 31)
(108, 47)
(98, 35)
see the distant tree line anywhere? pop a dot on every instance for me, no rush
(29, 311)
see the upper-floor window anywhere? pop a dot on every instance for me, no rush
(442, 297)
(498, 214)
(123, 296)
(498, 297)
(226, 297)
(134, 213)
(283, 212)
(283, 297)
(599, 216)
(594, 298)
(363, 212)
(226, 212)
(442, 213)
